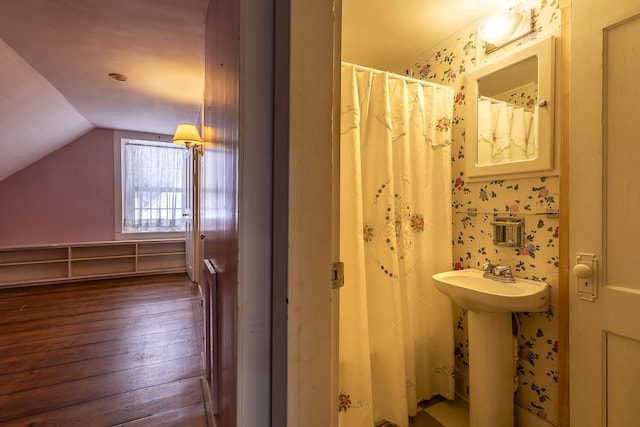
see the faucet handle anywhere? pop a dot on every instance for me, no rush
(487, 266)
(503, 270)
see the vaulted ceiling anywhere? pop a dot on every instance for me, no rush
(55, 58)
(56, 55)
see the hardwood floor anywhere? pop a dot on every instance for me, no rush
(123, 352)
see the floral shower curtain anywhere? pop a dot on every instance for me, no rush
(396, 337)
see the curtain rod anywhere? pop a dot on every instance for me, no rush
(396, 76)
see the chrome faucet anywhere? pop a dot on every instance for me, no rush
(501, 273)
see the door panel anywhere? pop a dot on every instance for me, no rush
(212, 369)
(604, 200)
(621, 228)
(622, 394)
(622, 193)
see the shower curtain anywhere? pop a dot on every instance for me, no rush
(396, 333)
(505, 132)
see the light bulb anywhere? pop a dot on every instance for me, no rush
(499, 29)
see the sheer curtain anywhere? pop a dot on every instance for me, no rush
(153, 187)
(396, 334)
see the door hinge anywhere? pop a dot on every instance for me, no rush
(337, 275)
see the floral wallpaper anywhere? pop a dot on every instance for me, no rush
(537, 333)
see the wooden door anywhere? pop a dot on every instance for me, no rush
(605, 202)
(219, 190)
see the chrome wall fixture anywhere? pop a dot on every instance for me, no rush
(508, 231)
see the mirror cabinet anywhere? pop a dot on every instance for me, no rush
(510, 114)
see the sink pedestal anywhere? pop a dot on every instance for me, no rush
(490, 370)
(490, 304)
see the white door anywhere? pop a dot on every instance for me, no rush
(187, 213)
(605, 207)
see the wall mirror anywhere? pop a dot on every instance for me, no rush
(510, 114)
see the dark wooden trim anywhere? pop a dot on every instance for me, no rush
(280, 213)
(219, 188)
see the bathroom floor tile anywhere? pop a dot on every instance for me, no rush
(423, 419)
(450, 413)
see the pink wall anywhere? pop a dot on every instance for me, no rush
(65, 197)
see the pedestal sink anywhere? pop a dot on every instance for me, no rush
(490, 304)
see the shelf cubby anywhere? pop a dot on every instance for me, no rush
(160, 247)
(103, 266)
(102, 251)
(34, 272)
(161, 262)
(22, 255)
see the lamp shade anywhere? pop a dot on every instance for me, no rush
(501, 28)
(187, 135)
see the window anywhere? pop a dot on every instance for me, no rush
(152, 188)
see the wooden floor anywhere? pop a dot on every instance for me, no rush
(123, 352)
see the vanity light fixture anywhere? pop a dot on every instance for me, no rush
(505, 27)
(188, 135)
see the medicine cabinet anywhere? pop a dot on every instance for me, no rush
(510, 114)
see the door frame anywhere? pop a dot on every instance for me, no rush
(564, 220)
(303, 216)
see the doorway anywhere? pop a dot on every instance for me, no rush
(447, 61)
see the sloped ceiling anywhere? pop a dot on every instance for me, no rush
(35, 119)
(55, 57)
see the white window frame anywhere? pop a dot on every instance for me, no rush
(118, 136)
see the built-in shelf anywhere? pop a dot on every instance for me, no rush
(76, 261)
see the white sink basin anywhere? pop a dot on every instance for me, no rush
(472, 291)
